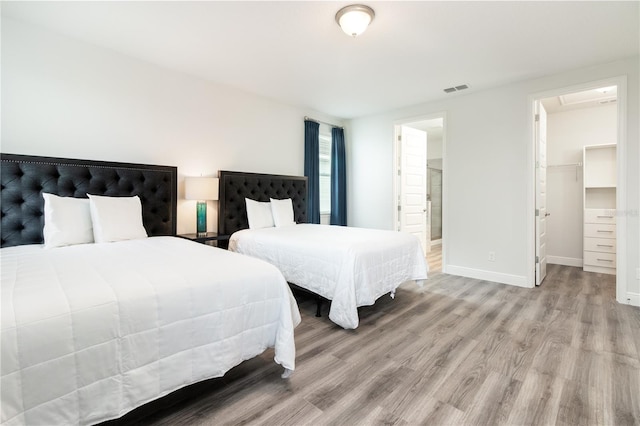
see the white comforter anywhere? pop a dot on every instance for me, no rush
(90, 332)
(350, 266)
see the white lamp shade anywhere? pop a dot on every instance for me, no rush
(201, 188)
(355, 19)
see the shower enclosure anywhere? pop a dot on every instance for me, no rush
(434, 194)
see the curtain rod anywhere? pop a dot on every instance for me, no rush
(322, 122)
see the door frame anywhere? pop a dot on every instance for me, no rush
(396, 158)
(541, 261)
(621, 165)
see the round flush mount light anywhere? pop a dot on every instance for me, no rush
(355, 19)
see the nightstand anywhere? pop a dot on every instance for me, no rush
(209, 238)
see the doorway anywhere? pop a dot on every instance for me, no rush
(432, 199)
(578, 148)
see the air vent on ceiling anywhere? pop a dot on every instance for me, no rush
(456, 88)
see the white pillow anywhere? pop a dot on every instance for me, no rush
(116, 218)
(259, 214)
(282, 212)
(67, 221)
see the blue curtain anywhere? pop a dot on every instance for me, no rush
(338, 178)
(312, 169)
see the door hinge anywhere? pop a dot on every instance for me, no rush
(399, 207)
(537, 259)
(537, 212)
(399, 138)
(537, 117)
(399, 174)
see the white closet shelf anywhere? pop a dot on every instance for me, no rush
(599, 204)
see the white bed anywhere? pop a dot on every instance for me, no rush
(352, 267)
(91, 331)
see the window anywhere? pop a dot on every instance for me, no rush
(325, 169)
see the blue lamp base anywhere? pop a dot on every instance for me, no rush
(201, 218)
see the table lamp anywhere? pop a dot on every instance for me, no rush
(201, 189)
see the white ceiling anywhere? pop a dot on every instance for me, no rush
(584, 99)
(294, 52)
(433, 127)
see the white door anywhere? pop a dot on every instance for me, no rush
(413, 184)
(541, 193)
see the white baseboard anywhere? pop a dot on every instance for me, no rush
(479, 274)
(566, 261)
(632, 299)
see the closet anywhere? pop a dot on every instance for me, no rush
(599, 203)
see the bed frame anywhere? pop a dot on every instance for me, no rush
(24, 178)
(232, 209)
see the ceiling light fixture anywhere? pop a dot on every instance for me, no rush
(355, 19)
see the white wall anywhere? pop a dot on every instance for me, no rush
(65, 98)
(567, 133)
(488, 185)
(61, 97)
(480, 148)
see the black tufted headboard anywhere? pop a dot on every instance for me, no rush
(236, 186)
(25, 178)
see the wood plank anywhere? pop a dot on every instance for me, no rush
(457, 352)
(538, 401)
(497, 391)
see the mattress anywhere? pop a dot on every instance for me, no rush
(352, 267)
(90, 332)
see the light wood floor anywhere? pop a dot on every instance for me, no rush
(434, 259)
(457, 352)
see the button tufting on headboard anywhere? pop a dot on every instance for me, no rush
(236, 186)
(24, 179)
